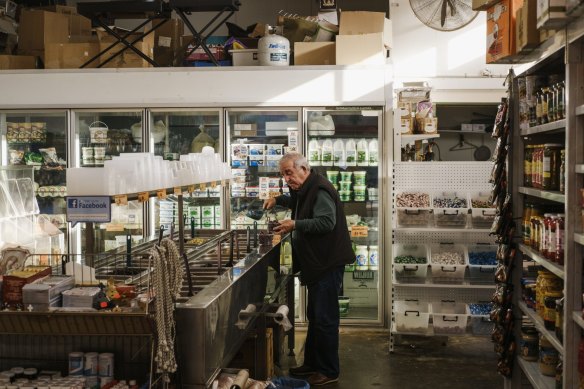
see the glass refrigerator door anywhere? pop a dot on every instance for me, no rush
(344, 145)
(257, 140)
(178, 132)
(100, 135)
(39, 139)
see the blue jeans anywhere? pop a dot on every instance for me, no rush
(321, 351)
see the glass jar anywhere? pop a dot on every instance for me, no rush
(551, 103)
(549, 314)
(544, 235)
(527, 158)
(544, 105)
(559, 259)
(538, 107)
(562, 184)
(561, 109)
(529, 343)
(551, 166)
(551, 250)
(548, 357)
(545, 283)
(527, 212)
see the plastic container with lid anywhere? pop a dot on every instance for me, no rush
(362, 257)
(412, 316)
(449, 317)
(373, 257)
(362, 153)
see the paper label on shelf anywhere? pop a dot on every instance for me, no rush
(359, 231)
(178, 191)
(213, 184)
(191, 188)
(88, 209)
(161, 194)
(121, 199)
(202, 186)
(143, 197)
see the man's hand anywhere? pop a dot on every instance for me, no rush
(269, 203)
(284, 227)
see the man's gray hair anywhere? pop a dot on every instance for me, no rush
(298, 159)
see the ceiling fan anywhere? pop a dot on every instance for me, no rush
(444, 15)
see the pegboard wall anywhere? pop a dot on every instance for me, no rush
(460, 294)
(433, 235)
(442, 176)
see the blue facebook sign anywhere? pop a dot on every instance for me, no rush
(86, 209)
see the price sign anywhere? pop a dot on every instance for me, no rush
(191, 188)
(161, 194)
(202, 186)
(143, 197)
(213, 184)
(359, 231)
(177, 190)
(121, 199)
(114, 227)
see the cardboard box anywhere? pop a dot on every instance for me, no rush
(483, 5)
(527, 35)
(245, 57)
(363, 22)
(551, 14)
(39, 28)
(128, 59)
(167, 43)
(501, 30)
(366, 49)
(70, 55)
(78, 25)
(314, 53)
(17, 62)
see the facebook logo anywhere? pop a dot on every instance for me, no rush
(72, 203)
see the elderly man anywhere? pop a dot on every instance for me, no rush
(321, 247)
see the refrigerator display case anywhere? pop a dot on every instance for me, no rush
(179, 132)
(99, 135)
(344, 145)
(39, 139)
(257, 140)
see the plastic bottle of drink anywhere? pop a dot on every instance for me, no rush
(351, 152)
(286, 254)
(373, 152)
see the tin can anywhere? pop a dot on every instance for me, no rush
(106, 365)
(92, 382)
(90, 366)
(76, 363)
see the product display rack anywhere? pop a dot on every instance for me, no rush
(431, 177)
(560, 54)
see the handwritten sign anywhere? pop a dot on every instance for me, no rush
(177, 190)
(161, 194)
(191, 188)
(121, 199)
(359, 231)
(143, 197)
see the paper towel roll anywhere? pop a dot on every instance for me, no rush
(245, 316)
(283, 320)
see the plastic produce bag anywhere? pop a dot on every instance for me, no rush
(288, 383)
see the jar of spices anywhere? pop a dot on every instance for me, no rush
(548, 357)
(559, 259)
(546, 282)
(527, 159)
(562, 184)
(529, 343)
(551, 166)
(560, 319)
(549, 314)
(551, 252)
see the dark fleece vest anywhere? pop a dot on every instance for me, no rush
(316, 254)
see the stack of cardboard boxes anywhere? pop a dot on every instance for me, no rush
(363, 39)
(517, 27)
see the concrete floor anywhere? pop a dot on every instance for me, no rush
(457, 362)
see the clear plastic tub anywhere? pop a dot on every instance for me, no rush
(482, 212)
(410, 262)
(448, 262)
(482, 262)
(414, 208)
(449, 318)
(450, 209)
(412, 316)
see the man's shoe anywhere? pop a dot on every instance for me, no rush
(302, 370)
(318, 379)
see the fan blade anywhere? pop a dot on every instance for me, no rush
(452, 7)
(443, 13)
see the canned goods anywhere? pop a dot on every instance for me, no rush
(76, 363)
(106, 365)
(90, 366)
(92, 382)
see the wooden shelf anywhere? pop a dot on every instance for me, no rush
(538, 321)
(557, 126)
(536, 256)
(543, 194)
